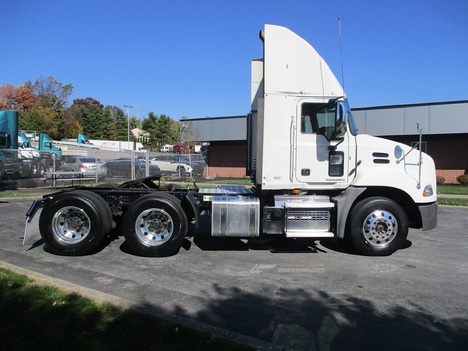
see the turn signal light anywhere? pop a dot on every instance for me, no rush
(428, 191)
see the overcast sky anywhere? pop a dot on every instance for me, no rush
(192, 58)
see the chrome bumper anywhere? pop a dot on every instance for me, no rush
(428, 215)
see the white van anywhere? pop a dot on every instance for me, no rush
(166, 148)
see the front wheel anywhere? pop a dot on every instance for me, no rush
(155, 225)
(377, 226)
(33, 171)
(40, 170)
(75, 223)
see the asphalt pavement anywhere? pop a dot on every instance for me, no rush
(285, 295)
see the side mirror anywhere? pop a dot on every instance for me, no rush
(341, 120)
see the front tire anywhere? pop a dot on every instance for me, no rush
(33, 171)
(155, 225)
(75, 223)
(40, 170)
(377, 227)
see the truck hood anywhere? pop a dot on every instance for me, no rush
(388, 163)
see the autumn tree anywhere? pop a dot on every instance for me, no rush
(47, 112)
(18, 98)
(51, 93)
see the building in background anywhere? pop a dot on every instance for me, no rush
(445, 131)
(444, 127)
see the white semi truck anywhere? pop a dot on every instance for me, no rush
(313, 176)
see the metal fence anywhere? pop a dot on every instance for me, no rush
(79, 165)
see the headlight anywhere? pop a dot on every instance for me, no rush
(428, 191)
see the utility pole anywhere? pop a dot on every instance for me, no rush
(128, 123)
(132, 163)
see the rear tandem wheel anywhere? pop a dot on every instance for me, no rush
(75, 223)
(155, 225)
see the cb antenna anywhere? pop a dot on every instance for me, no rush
(341, 56)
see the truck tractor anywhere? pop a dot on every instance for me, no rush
(31, 156)
(313, 176)
(51, 153)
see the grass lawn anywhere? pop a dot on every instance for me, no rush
(453, 189)
(34, 317)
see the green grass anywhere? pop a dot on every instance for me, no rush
(34, 317)
(9, 194)
(452, 201)
(453, 189)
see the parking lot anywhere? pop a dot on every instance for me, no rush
(297, 294)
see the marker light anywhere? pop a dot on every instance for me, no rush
(428, 191)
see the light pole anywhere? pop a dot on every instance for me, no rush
(128, 124)
(132, 163)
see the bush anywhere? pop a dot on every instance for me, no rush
(440, 180)
(463, 179)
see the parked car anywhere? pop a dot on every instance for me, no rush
(122, 167)
(86, 165)
(196, 161)
(172, 164)
(180, 149)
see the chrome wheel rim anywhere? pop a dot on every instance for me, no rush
(380, 228)
(71, 225)
(154, 227)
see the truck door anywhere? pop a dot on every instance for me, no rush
(321, 158)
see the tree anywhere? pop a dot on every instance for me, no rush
(90, 112)
(18, 98)
(189, 133)
(72, 122)
(41, 105)
(162, 129)
(51, 93)
(42, 119)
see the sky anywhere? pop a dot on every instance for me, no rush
(191, 58)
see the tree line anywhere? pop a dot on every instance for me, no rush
(43, 106)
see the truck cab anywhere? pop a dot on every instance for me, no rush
(31, 157)
(307, 158)
(49, 151)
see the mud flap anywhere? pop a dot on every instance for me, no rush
(31, 229)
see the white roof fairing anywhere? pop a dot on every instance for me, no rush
(293, 66)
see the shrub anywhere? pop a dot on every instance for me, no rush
(440, 180)
(463, 179)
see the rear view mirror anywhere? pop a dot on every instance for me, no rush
(341, 120)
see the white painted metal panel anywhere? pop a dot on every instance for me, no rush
(360, 119)
(229, 129)
(415, 115)
(450, 118)
(385, 122)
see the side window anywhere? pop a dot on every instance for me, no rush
(5, 140)
(318, 118)
(306, 125)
